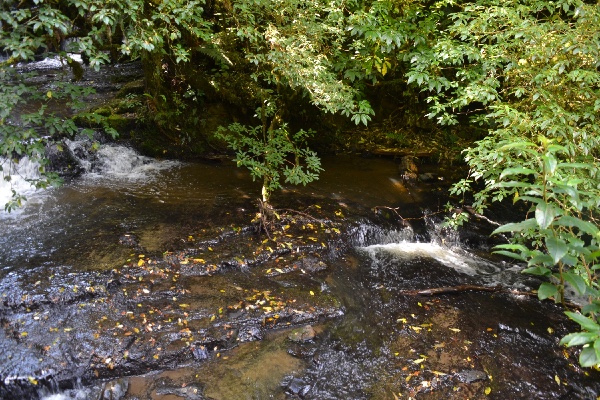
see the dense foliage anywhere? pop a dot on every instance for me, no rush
(524, 72)
(528, 72)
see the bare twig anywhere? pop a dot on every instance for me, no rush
(395, 210)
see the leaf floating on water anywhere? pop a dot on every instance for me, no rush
(312, 293)
(557, 379)
(184, 305)
(454, 330)
(141, 262)
(488, 390)
(419, 360)
(23, 334)
(31, 379)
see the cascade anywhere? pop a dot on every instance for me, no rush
(21, 173)
(106, 161)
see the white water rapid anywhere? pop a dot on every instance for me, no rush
(108, 163)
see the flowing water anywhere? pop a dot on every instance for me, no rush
(143, 279)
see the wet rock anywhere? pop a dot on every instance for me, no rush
(129, 240)
(408, 168)
(200, 352)
(427, 177)
(302, 350)
(301, 335)
(63, 162)
(188, 392)
(250, 334)
(312, 265)
(115, 390)
(471, 375)
(297, 387)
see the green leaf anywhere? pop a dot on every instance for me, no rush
(557, 248)
(591, 308)
(576, 281)
(578, 338)
(516, 171)
(517, 226)
(586, 323)
(510, 254)
(537, 270)
(510, 246)
(584, 226)
(544, 214)
(547, 290)
(589, 357)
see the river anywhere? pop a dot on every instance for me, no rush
(144, 279)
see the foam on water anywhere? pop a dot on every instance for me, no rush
(454, 258)
(124, 162)
(55, 62)
(20, 173)
(107, 164)
(115, 161)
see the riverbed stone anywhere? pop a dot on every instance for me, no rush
(471, 375)
(304, 334)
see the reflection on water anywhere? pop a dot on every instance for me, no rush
(79, 223)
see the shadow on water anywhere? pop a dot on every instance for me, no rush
(149, 284)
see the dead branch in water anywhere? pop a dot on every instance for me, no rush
(475, 288)
(395, 210)
(451, 289)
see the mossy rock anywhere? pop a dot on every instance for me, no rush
(120, 123)
(136, 87)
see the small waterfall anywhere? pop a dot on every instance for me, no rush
(17, 176)
(397, 249)
(114, 161)
(104, 161)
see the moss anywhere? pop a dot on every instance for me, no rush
(136, 87)
(120, 123)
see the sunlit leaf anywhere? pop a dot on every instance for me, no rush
(588, 357)
(547, 290)
(586, 323)
(557, 248)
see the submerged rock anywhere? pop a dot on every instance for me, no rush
(471, 375)
(304, 334)
(297, 387)
(408, 168)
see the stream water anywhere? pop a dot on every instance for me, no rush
(143, 279)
